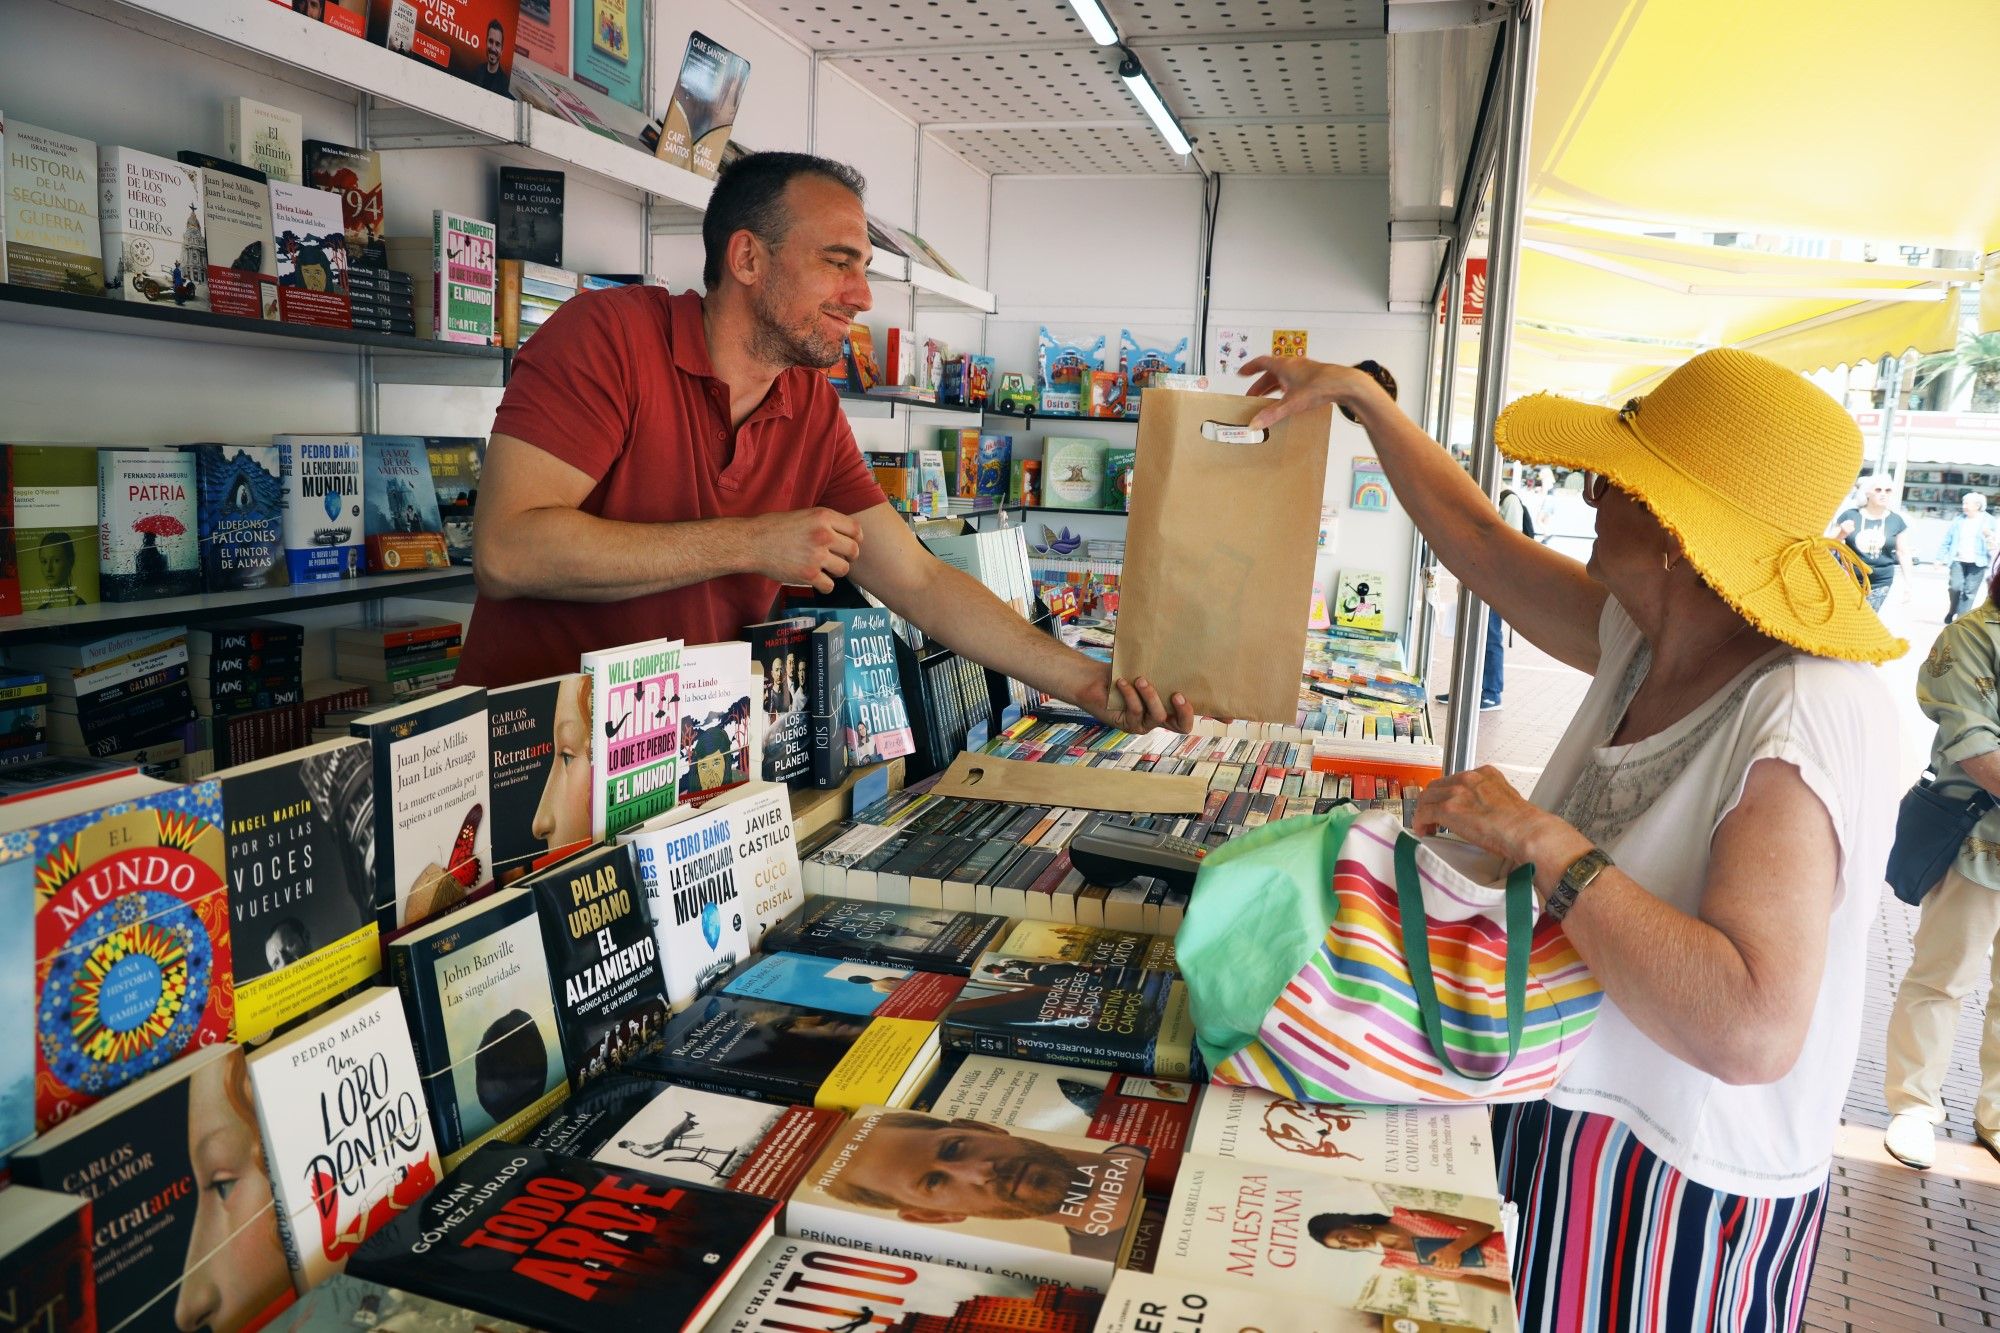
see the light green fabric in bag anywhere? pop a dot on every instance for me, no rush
(1260, 909)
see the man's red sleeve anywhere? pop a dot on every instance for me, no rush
(571, 393)
(849, 487)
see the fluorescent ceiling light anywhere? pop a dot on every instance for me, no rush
(1149, 99)
(1095, 21)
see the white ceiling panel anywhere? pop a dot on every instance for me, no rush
(1265, 79)
(841, 25)
(1138, 19)
(999, 86)
(1115, 151)
(1296, 150)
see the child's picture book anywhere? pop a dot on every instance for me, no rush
(1064, 366)
(1371, 486)
(1358, 604)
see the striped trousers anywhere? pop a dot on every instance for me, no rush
(1612, 1238)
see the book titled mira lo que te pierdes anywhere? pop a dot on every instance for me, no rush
(635, 733)
(464, 272)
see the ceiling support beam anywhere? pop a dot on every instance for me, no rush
(1082, 44)
(1191, 122)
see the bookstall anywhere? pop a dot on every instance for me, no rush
(675, 990)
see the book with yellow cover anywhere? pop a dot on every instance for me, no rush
(791, 1055)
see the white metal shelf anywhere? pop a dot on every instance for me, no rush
(111, 617)
(683, 193)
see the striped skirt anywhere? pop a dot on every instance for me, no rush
(1612, 1238)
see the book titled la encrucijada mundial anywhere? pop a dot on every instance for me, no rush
(348, 1145)
(432, 776)
(604, 964)
(148, 1160)
(240, 510)
(570, 1245)
(929, 939)
(323, 521)
(147, 544)
(301, 880)
(475, 984)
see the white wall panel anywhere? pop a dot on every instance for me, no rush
(1309, 245)
(854, 126)
(776, 110)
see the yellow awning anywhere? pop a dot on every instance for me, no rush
(1810, 117)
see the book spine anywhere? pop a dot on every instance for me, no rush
(826, 703)
(440, 278)
(420, 1002)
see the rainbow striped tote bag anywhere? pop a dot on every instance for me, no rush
(1337, 958)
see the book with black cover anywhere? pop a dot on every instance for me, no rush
(530, 219)
(47, 1282)
(928, 939)
(604, 963)
(570, 1245)
(779, 648)
(826, 702)
(1099, 1017)
(758, 1048)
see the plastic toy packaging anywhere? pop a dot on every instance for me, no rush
(1064, 366)
(1142, 364)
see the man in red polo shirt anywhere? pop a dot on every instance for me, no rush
(661, 464)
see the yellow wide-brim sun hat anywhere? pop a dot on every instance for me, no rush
(1745, 463)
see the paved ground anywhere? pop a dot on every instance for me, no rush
(1903, 1250)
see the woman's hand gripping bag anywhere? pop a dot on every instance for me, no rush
(1337, 958)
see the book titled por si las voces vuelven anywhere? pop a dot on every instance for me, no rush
(147, 1160)
(926, 938)
(155, 238)
(52, 235)
(242, 259)
(778, 647)
(463, 262)
(240, 516)
(800, 1287)
(433, 842)
(311, 244)
(476, 988)
(355, 176)
(301, 829)
(541, 773)
(347, 1140)
(635, 733)
(324, 527)
(1054, 1206)
(403, 531)
(569, 1245)
(147, 524)
(875, 724)
(47, 1281)
(604, 963)
(455, 467)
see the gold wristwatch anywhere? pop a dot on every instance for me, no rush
(1575, 880)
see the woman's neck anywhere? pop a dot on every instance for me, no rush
(1875, 509)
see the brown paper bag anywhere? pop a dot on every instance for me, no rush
(983, 777)
(1219, 552)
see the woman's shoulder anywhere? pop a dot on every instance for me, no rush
(1823, 702)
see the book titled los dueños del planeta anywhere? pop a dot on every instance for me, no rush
(604, 963)
(570, 1245)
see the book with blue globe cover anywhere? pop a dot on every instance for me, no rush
(324, 527)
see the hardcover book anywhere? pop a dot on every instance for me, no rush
(475, 986)
(1118, 478)
(635, 734)
(53, 239)
(147, 544)
(463, 260)
(792, 1056)
(718, 748)
(155, 240)
(779, 649)
(530, 219)
(927, 939)
(1113, 1018)
(301, 830)
(455, 467)
(1358, 604)
(55, 517)
(132, 945)
(864, 990)
(570, 1245)
(243, 267)
(996, 452)
(1073, 472)
(1426, 1147)
(347, 1304)
(311, 245)
(875, 723)
(323, 522)
(346, 1139)
(355, 175)
(47, 1281)
(403, 532)
(797, 1287)
(543, 34)
(266, 137)
(471, 39)
(432, 840)
(714, 1139)
(541, 773)
(604, 964)
(240, 515)
(910, 1185)
(826, 702)
(1063, 942)
(702, 114)
(149, 1160)
(609, 53)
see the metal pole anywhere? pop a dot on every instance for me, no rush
(1454, 305)
(1891, 372)
(1502, 262)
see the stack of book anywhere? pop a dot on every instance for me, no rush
(124, 696)
(528, 294)
(242, 738)
(245, 666)
(385, 300)
(399, 659)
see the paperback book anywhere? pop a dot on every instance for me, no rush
(1054, 1206)
(155, 240)
(322, 505)
(826, 702)
(455, 466)
(52, 236)
(462, 301)
(778, 647)
(347, 1142)
(355, 175)
(569, 1245)
(1063, 942)
(146, 1161)
(718, 745)
(927, 939)
(311, 244)
(609, 53)
(147, 544)
(541, 773)
(403, 532)
(1424, 1147)
(543, 35)
(47, 1280)
(470, 39)
(863, 990)
(604, 964)
(875, 724)
(1147, 1302)
(266, 137)
(686, 864)
(240, 514)
(301, 830)
(530, 218)
(476, 988)
(1358, 604)
(635, 736)
(714, 1139)
(432, 768)
(1097, 1017)
(55, 517)
(702, 114)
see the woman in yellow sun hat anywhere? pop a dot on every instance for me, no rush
(1711, 830)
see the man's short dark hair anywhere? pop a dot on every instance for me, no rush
(748, 198)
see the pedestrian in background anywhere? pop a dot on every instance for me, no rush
(1967, 551)
(1873, 530)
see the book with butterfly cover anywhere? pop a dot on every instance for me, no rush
(432, 794)
(604, 964)
(635, 742)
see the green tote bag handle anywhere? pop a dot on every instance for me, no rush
(1417, 953)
